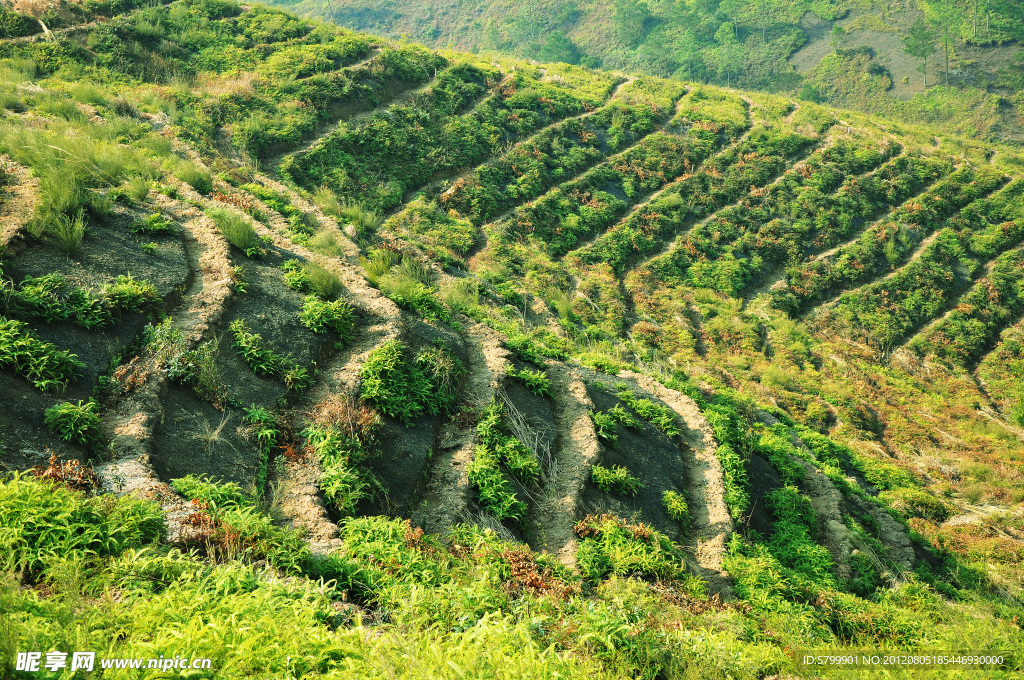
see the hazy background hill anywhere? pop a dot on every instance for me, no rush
(846, 52)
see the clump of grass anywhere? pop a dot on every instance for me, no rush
(616, 480)
(327, 242)
(364, 221)
(138, 188)
(561, 302)
(323, 283)
(310, 277)
(99, 205)
(379, 263)
(406, 284)
(68, 231)
(76, 423)
(327, 201)
(461, 294)
(238, 231)
(193, 175)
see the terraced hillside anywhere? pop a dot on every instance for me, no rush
(552, 370)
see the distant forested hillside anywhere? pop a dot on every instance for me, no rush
(854, 53)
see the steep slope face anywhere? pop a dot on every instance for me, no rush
(656, 329)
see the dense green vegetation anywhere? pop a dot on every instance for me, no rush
(753, 45)
(601, 375)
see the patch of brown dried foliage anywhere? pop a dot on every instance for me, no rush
(71, 474)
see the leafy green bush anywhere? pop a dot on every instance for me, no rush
(43, 524)
(76, 423)
(494, 490)
(406, 389)
(607, 423)
(494, 434)
(51, 298)
(609, 545)
(155, 223)
(265, 362)
(319, 316)
(536, 381)
(342, 433)
(266, 431)
(323, 283)
(40, 362)
(677, 508)
(661, 417)
(617, 480)
(239, 529)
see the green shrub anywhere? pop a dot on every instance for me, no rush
(406, 389)
(265, 362)
(406, 285)
(379, 263)
(675, 505)
(215, 495)
(43, 524)
(295, 276)
(240, 530)
(661, 417)
(606, 427)
(76, 423)
(342, 433)
(494, 491)
(609, 545)
(617, 480)
(262, 361)
(319, 316)
(154, 223)
(40, 362)
(536, 381)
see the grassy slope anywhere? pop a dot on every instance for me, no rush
(690, 235)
